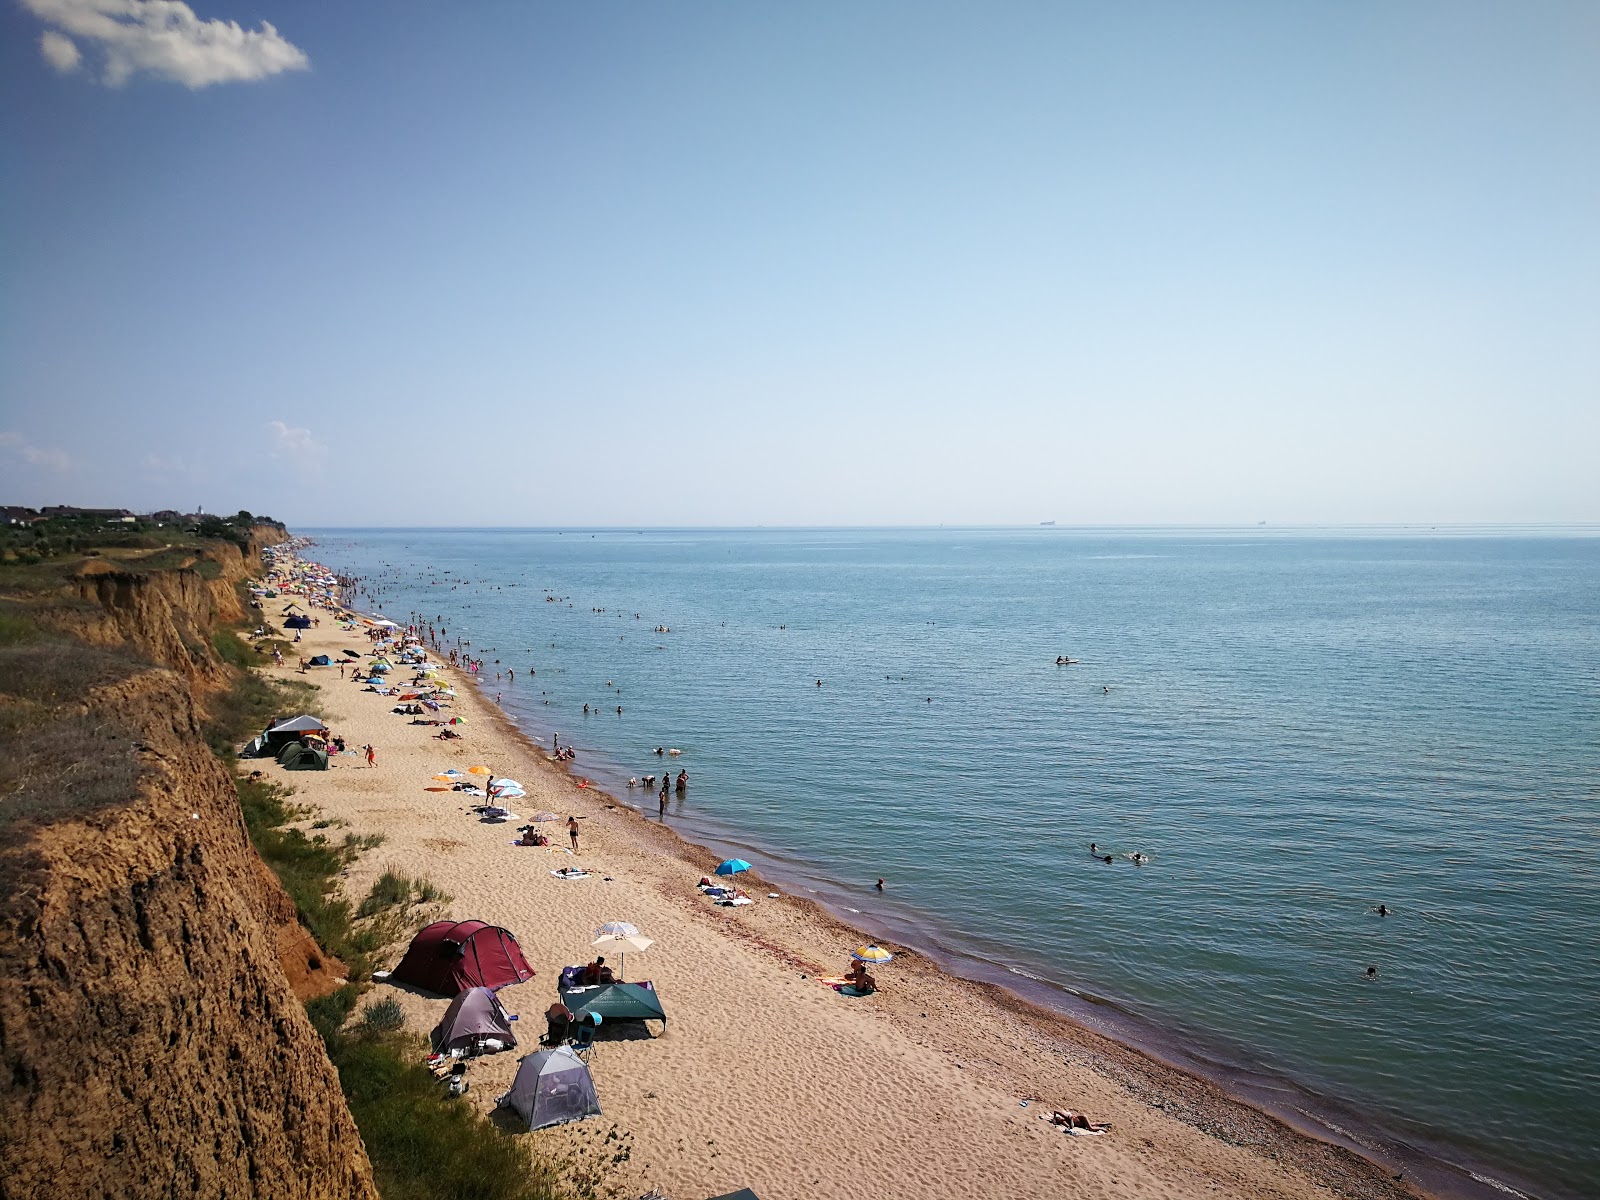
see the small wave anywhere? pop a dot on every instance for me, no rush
(1498, 1186)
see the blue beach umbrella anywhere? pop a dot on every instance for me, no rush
(732, 867)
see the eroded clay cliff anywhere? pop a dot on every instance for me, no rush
(151, 1040)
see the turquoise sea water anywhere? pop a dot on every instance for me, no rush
(1298, 728)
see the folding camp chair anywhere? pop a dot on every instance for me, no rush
(583, 1038)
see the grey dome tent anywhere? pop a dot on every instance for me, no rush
(474, 1019)
(551, 1088)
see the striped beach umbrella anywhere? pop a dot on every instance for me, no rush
(873, 953)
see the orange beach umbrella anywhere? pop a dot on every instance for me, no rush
(479, 771)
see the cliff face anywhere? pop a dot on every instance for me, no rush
(165, 616)
(151, 1042)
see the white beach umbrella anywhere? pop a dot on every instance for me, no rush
(622, 942)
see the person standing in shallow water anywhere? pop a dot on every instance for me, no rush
(683, 782)
(662, 797)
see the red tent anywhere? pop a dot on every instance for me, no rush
(450, 956)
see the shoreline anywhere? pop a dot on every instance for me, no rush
(1275, 1096)
(1090, 1061)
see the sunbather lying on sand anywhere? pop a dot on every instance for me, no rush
(1076, 1122)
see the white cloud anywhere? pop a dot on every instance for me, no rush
(163, 38)
(60, 51)
(289, 441)
(55, 460)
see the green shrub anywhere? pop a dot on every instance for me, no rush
(392, 890)
(329, 1013)
(383, 1015)
(233, 651)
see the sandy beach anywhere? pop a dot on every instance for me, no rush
(765, 1077)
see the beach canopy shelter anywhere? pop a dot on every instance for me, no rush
(297, 756)
(473, 1022)
(448, 957)
(616, 1002)
(552, 1087)
(297, 623)
(280, 734)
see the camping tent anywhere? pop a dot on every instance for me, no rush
(616, 1002)
(473, 1017)
(297, 756)
(297, 623)
(450, 956)
(551, 1088)
(281, 733)
(321, 660)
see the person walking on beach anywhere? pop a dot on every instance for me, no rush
(572, 831)
(372, 755)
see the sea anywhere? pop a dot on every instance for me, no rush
(1291, 727)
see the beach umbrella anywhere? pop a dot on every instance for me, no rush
(447, 776)
(542, 818)
(480, 770)
(732, 867)
(621, 937)
(503, 782)
(873, 953)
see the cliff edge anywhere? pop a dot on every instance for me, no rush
(152, 1042)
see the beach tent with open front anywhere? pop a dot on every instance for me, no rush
(450, 956)
(297, 623)
(552, 1087)
(616, 1002)
(297, 756)
(281, 733)
(475, 1022)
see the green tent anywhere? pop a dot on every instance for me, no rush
(297, 756)
(616, 1002)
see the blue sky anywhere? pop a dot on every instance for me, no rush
(739, 263)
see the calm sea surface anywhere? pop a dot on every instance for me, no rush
(1298, 728)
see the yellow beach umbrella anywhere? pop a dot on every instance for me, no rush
(446, 778)
(874, 954)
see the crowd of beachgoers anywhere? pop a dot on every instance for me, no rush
(799, 1048)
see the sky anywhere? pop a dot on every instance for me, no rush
(739, 263)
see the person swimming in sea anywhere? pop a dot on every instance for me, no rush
(1138, 859)
(1372, 972)
(1383, 910)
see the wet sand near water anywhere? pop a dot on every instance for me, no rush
(765, 1077)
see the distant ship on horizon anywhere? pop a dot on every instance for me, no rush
(1047, 522)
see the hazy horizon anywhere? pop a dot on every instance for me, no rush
(888, 265)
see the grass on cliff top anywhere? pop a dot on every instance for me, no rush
(55, 761)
